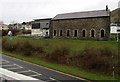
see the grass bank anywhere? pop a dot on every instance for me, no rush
(90, 59)
(64, 68)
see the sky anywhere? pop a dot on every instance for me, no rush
(18, 11)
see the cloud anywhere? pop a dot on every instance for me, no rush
(23, 10)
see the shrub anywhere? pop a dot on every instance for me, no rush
(7, 46)
(39, 51)
(59, 54)
(94, 60)
(4, 32)
(26, 48)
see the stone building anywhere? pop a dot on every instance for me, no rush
(90, 25)
(40, 27)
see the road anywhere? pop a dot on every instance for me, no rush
(37, 71)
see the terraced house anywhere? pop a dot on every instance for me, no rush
(90, 25)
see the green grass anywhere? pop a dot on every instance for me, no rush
(74, 45)
(64, 68)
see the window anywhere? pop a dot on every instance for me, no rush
(54, 32)
(60, 32)
(83, 33)
(46, 33)
(68, 32)
(102, 33)
(75, 33)
(92, 33)
(36, 26)
(46, 24)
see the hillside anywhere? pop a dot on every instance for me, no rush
(115, 15)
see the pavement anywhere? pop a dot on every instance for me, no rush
(37, 71)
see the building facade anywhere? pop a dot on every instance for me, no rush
(40, 27)
(91, 25)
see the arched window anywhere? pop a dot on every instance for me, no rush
(55, 32)
(75, 33)
(92, 33)
(102, 33)
(60, 32)
(83, 33)
(68, 32)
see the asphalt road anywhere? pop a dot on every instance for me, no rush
(36, 71)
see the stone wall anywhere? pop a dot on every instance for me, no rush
(87, 24)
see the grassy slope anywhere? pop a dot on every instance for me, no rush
(64, 68)
(75, 45)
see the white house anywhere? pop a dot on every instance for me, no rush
(26, 26)
(114, 29)
(40, 27)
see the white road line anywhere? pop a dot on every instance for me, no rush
(35, 75)
(18, 65)
(8, 65)
(5, 61)
(23, 71)
(36, 72)
(52, 78)
(15, 68)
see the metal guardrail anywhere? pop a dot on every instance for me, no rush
(10, 76)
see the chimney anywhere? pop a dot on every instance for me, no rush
(106, 7)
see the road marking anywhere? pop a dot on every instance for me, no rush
(15, 68)
(23, 71)
(35, 72)
(18, 66)
(8, 65)
(52, 78)
(35, 75)
(50, 69)
(6, 62)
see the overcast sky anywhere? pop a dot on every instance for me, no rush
(27, 10)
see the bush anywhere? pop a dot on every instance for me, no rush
(59, 54)
(39, 51)
(4, 32)
(26, 48)
(94, 60)
(7, 46)
(98, 59)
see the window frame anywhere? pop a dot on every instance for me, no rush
(85, 33)
(101, 33)
(54, 32)
(60, 32)
(91, 33)
(74, 32)
(68, 32)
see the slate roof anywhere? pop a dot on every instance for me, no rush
(87, 14)
(43, 19)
